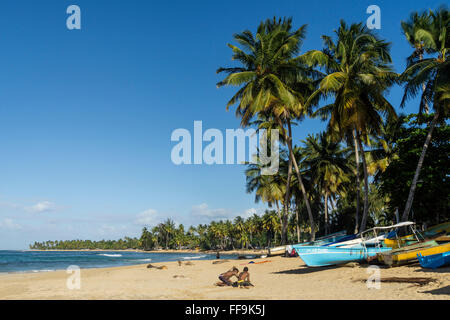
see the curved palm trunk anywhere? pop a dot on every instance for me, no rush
(412, 190)
(358, 183)
(300, 182)
(366, 186)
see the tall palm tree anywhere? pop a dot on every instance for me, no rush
(434, 74)
(330, 170)
(358, 73)
(272, 80)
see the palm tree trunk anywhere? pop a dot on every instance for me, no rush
(298, 224)
(286, 204)
(358, 183)
(427, 108)
(280, 216)
(412, 190)
(326, 213)
(300, 182)
(366, 185)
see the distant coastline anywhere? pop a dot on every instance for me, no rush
(237, 251)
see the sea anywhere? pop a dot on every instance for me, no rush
(18, 261)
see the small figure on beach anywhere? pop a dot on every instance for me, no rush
(243, 279)
(226, 276)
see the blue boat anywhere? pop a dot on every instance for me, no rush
(326, 256)
(331, 238)
(341, 239)
(358, 249)
(434, 261)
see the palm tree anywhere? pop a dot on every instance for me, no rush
(241, 229)
(358, 73)
(270, 225)
(273, 81)
(432, 73)
(270, 189)
(327, 161)
(417, 21)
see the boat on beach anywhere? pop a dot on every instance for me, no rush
(408, 254)
(325, 240)
(333, 237)
(443, 228)
(406, 249)
(327, 256)
(368, 244)
(276, 251)
(435, 260)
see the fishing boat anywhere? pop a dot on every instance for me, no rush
(331, 238)
(327, 256)
(276, 251)
(436, 233)
(400, 242)
(435, 260)
(442, 239)
(408, 254)
(442, 228)
(360, 249)
(354, 240)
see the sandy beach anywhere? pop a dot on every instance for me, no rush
(276, 278)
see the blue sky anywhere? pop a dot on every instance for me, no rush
(86, 115)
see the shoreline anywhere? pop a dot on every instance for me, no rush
(223, 256)
(274, 278)
(233, 252)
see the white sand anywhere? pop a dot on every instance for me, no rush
(281, 278)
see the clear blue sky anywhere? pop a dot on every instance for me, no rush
(86, 115)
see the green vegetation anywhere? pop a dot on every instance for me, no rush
(400, 163)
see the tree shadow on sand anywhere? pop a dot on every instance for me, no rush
(306, 270)
(440, 291)
(438, 270)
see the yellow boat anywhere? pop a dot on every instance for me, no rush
(442, 239)
(401, 242)
(436, 233)
(408, 254)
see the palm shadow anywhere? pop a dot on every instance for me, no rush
(438, 270)
(440, 291)
(306, 270)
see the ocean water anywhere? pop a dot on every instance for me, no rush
(42, 261)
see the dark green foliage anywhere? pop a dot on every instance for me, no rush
(432, 197)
